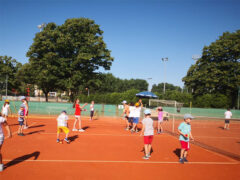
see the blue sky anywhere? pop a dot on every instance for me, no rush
(138, 32)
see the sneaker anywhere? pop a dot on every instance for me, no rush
(81, 130)
(58, 140)
(127, 129)
(132, 131)
(74, 130)
(148, 155)
(181, 161)
(67, 140)
(1, 167)
(25, 127)
(185, 160)
(21, 134)
(145, 157)
(136, 130)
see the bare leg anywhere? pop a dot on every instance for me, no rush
(149, 149)
(74, 124)
(185, 154)
(79, 123)
(146, 149)
(182, 152)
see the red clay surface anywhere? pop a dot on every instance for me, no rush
(105, 151)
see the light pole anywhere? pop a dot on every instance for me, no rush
(6, 85)
(149, 83)
(87, 90)
(41, 26)
(164, 60)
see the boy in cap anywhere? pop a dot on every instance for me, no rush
(184, 130)
(62, 125)
(148, 131)
(21, 117)
(126, 113)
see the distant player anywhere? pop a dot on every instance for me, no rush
(126, 114)
(148, 132)
(26, 108)
(3, 122)
(78, 110)
(160, 120)
(6, 109)
(184, 130)
(62, 125)
(21, 118)
(91, 110)
(136, 116)
(228, 116)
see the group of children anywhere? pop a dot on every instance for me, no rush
(131, 115)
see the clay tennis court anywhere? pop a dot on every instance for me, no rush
(107, 151)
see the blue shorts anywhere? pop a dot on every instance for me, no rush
(21, 123)
(130, 119)
(135, 120)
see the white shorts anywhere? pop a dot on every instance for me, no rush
(77, 116)
(4, 113)
(1, 140)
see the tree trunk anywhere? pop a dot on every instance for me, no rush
(46, 96)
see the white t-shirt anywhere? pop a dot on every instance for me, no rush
(2, 120)
(131, 109)
(5, 109)
(137, 112)
(228, 115)
(148, 122)
(62, 120)
(91, 107)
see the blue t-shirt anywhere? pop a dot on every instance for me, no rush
(185, 129)
(21, 113)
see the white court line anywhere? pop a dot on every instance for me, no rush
(84, 134)
(130, 162)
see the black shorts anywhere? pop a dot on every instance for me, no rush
(91, 113)
(21, 123)
(227, 121)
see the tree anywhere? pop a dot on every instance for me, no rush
(218, 70)
(67, 57)
(8, 69)
(169, 87)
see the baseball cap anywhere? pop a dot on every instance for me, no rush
(64, 111)
(22, 98)
(124, 102)
(6, 100)
(188, 116)
(137, 104)
(147, 111)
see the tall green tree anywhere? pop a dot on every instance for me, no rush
(218, 70)
(169, 87)
(68, 56)
(8, 70)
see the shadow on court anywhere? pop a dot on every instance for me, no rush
(22, 158)
(35, 132)
(41, 125)
(72, 138)
(143, 150)
(177, 152)
(220, 127)
(13, 124)
(85, 127)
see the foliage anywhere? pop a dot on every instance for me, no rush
(218, 70)
(168, 87)
(9, 68)
(68, 56)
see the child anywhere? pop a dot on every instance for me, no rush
(160, 120)
(131, 114)
(136, 116)
(126, 114)
(78, 110)
(4, 123)
(25, 104)
(91, 110)
(62, 125)
(228, 116)
(21, 120)
(185, 132)
(6, 109)
(148, 131)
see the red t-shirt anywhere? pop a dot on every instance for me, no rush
(77, 110)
